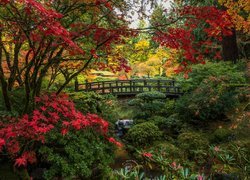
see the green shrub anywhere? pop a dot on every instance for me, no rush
(158, 120)
(221, 135)
(192, 141)
(169, 107)
(150, 96)
(143, 134)
(210, 101)
(171, 125)
(212, 90)
(168, 151)
(80, 154)
(194, 145)
(174, 124)
(148, 104)
(200, 72)
(232, 157)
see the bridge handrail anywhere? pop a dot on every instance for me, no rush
(130, 86)
(132, 80)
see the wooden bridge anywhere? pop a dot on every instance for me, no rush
(131, 87)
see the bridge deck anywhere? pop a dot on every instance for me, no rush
(131, 87)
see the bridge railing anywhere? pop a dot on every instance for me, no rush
(123, 87)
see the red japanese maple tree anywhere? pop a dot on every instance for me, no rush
(216, 23)
(20, 135)
(45, 34)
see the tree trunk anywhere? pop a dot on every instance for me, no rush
(74, 75)
(4, 84)
(5, 92)
(230, 48)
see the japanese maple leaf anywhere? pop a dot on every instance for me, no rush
(30, 156)
(76, 124)
(64, 131)
(21, 161)
(112, 140)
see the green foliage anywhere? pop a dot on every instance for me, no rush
(143, 134)
(168, 151)
(171, 126)
(94, 103)
(194, 145)
(159, 121)
(128, 173)
(79, 154)
(221, 135)
(17, 100)
(124, 110)
(151, 96)
(234, 158)
(174, 123)
(4, 114)
(148, 104)
(209, 101)
(169, 107)
(192, 140)
(200, 72)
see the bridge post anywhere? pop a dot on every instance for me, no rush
(130, 85)
(178, 90)
(110, 88)
(167, 89)
(103, 88)
(121, 87)
(134, 89)
(145, 84)
(87, 85)
(158, 85)
(173, 82)
(116, 82)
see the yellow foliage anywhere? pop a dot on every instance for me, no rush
(142, 44)
(171, 64)
(235, 9)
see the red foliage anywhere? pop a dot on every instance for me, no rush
(2, 143)
(29, 156)
(48, 26)
(116, 65)
(54, 112)
(147, 154)
(21, 161)
(112, 140)
(218, 24)
(46, 23)
(106, 3)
